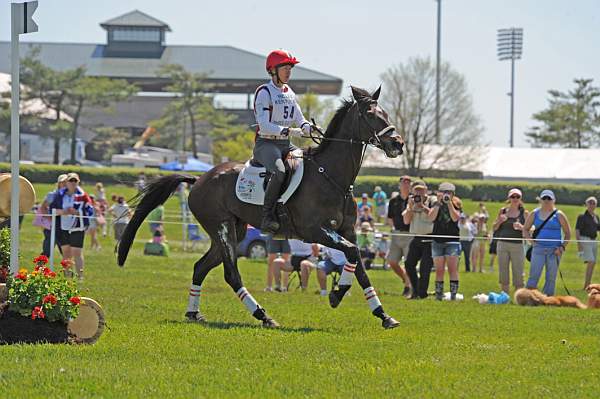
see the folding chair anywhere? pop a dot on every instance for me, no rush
(194, 235)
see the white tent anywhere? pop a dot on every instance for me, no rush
(539, 164)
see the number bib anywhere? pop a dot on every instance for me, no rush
(283, 105)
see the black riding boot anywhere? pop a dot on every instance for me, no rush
(269, 224)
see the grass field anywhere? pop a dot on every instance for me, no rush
(442, 349)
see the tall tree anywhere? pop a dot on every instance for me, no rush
(409, 96)
(191, 89)
(94, 91)
(52, 88)
(571, 120)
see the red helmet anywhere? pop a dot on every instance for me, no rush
(280, 57)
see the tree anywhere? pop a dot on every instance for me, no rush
(571, 120)
(52, 88)
(108, 141)
(191, 89)
(94, 91)
(409, 96)
(234, 142)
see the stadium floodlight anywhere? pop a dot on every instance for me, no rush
(510, 47)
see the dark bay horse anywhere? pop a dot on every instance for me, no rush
(322, 210)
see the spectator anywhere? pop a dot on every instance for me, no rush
(380, 198)
(467, 233)
(587, 229)
(156, 218)
(445, 250)
(382, 247)
(93, 227)
(141, 181)
(416, 215)
(509, 225)
(44, 209)
(303, 260)
(279, 254)
(493, 251)
(364, 210)
(478, 247)
(182, 194)
(400, 238)
(74, 207)
(121, 214)
(334, 261)
(549, 245)
(365, 244)
(365, 217)
(101, 207)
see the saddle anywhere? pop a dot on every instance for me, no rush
(253, 178)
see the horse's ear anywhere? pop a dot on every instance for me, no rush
(375, 95)
(359, 93)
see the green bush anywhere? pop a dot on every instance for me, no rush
(88, 175)
(487, 190)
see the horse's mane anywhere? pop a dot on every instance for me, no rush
(334, 125)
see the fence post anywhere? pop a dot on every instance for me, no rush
(52, 238)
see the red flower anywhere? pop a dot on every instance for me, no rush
(49, 273)
(37, 312)
(66, 263)
(22, 276)
(50, 298)
(75, 300)
(41, 260)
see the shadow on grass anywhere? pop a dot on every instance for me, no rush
(221, 325)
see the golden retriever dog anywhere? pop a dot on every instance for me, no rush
(533, 297)
(593, 291)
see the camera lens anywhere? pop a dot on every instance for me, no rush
(417, 198)
(446, 198)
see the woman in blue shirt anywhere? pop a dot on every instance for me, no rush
(549, 244)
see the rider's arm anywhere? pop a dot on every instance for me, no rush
(262, 113)
(299, 119)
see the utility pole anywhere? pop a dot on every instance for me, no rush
(437, 71)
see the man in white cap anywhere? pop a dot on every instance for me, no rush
(61, 182)
(586, 229)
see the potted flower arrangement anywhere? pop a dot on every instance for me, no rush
(40, 304)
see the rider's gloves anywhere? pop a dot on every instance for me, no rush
(306, 128)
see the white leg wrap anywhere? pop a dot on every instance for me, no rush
(247, 299)
(372, 299)
(347, 276)
(194, 298)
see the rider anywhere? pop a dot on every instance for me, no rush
(278, 116)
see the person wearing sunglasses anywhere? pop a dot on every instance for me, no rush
(551, 241)
(508, 228)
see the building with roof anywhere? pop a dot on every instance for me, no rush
(136, 48)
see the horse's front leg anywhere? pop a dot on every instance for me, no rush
(352, 268)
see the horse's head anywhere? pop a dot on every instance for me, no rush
(373, 124)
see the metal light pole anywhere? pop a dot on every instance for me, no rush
(510, 47)
(21, 22)
(437, 71)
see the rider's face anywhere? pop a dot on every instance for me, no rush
(285, 72)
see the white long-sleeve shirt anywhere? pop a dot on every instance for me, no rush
(276, 108)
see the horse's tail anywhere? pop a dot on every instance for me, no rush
(151, 196)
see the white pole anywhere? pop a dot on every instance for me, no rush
(14, 142)
(52, 238)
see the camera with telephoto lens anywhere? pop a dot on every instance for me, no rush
(417, 198)
(446, 198)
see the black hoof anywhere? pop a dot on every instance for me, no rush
(270, 323)
(389, 322)
(194, 317)
(335, 299)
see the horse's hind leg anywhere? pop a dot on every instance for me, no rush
(210, 260)
(228, 244)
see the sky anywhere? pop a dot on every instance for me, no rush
(357, 40)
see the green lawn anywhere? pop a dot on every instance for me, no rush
(440, 350)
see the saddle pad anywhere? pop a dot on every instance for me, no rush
(249, 185)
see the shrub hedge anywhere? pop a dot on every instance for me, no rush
(88, 175)
(487, 190)
(478, 190)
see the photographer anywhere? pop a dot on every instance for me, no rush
(416, 216)
(400, 238)
(446, 250)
